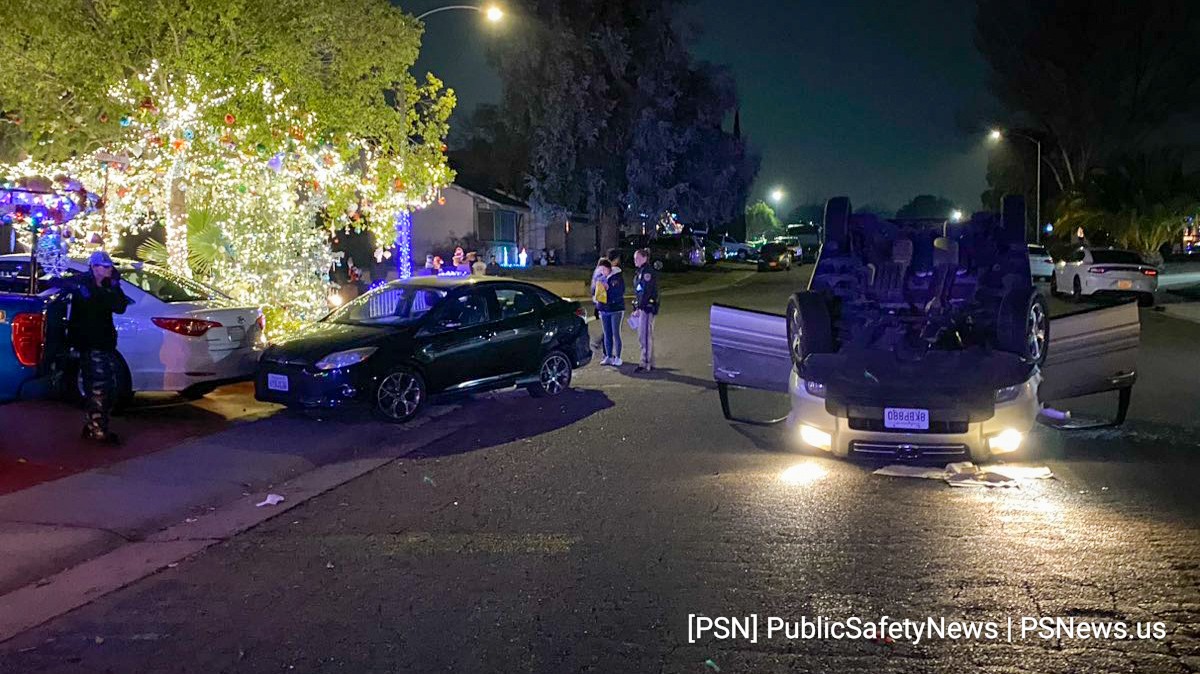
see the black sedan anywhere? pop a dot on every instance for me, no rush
(396, 346)
(774, 257)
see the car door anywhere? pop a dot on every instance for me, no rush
(520, 330)
(750, 351)
(457, 350)
(1092, 351)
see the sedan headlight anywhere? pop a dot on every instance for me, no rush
(340, 359)
(1008, 393)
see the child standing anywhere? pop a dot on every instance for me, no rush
(599, 288)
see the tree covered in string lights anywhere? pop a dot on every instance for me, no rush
(268, 116)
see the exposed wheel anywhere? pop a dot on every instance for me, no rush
(657, 264)
(1076, 290)
(554, 376)
(837, 223)
(1023, 326)
(809, 326)
(741, 255)
(400, 395)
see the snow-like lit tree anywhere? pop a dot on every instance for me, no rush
(262, 114)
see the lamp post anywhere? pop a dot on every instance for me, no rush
(491, 12)
(997, 135)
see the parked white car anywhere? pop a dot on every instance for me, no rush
(1041, 265)
(178, 334)
(733, 249)
(793, 244)
(1090, 271)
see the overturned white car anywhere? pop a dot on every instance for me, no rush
(922, 339)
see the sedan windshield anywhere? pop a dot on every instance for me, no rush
(389, 305)
(1116, 257)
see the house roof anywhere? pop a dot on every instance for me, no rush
(488, 194)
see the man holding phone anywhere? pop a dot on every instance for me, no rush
(95, 297)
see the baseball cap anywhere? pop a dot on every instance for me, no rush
(100, 258)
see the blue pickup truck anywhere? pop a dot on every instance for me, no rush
(32, 336)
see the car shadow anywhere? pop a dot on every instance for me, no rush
(502, 417)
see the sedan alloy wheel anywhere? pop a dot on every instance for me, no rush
(400, 395)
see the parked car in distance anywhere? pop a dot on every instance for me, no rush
(809, 236)
(1041, 265)
(398, 345)
(774, 257)
(1088, 271)
(177, 335)
(793, 244)
(676, 251)
(732, 249)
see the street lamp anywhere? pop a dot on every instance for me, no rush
(956, 215)
(491, 12)
(997, 135)
(777, 195)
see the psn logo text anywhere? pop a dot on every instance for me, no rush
(722, 628)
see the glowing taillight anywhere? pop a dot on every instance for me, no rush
(261, 322)
(188, 327)
(1150, 272)
(28, 334)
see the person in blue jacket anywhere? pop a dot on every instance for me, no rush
(613, 311)
(95, 297)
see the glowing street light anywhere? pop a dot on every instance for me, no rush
(996, 135)
(956, 215)
(777, 195)
(492, 13)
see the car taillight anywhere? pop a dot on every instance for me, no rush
(28, 333)
(579, 311)
(1097, 270)
(1150, 272)
(261, 322)
(188, 327)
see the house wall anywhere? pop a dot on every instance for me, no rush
(434, 224)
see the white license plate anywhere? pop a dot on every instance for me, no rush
(1124, 285)
(237, 333)
(277, 382)
(906, 418)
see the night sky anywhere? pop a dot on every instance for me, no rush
(856, 97)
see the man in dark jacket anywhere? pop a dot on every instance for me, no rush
(95, 297)
(645, 288)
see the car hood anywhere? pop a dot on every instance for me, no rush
(317, 340)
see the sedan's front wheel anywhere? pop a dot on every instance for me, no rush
(554, 376)
(400, 395)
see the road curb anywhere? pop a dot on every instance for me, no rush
(53, 595)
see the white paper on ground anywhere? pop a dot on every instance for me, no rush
(270, 500)
(967, 474)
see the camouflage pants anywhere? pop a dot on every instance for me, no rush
(99, 370)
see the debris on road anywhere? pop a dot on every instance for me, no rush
(270, 500)
(712, 665)
(429, 481)
(967, 474)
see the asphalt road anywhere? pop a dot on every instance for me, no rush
(578, 535)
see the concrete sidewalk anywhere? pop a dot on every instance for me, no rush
(57, 525)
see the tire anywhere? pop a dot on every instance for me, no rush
(400, 395)
(1023, 326)
(1076, 290)
(837, 223)
(554, 376)
(657, 264)
(1012, 218)
(809, 326)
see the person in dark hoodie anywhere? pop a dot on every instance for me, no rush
(613, 311)
(95, 297)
